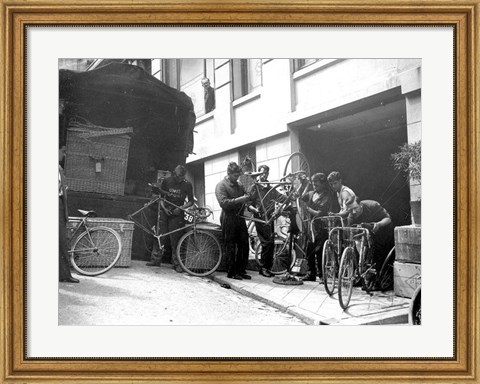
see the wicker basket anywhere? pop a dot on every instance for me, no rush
(123, 227)
(97, 160)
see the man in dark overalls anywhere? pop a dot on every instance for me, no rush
(231, 197)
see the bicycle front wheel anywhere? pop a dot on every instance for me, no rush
(96, 251)
(252, 236)
(297, 162)
(346, 277)
(329, 267)
(199, 253)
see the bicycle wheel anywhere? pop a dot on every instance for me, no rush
(295, 163)
(346, 277)
(385, 277)
(329, 267)
(199, 253)
(281, 259)
(415, 308)
(272, 204)
(252, 236)
(96, 251)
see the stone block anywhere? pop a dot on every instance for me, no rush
(408, 244)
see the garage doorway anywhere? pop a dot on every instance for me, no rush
(359, 146)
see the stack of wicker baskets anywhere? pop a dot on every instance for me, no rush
(96, 158)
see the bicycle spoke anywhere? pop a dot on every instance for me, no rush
(96, 251)
(199, 253)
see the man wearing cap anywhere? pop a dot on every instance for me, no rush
(231, 196)
(371, 215)
(174, 189)
(319, 203)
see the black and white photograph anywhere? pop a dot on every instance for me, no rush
(239, 191)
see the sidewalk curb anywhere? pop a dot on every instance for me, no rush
(397, 316)
(307, 317)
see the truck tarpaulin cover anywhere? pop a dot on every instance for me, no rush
(121, 95)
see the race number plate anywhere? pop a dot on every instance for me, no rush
(188, 217)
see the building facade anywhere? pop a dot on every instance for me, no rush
(347, 115)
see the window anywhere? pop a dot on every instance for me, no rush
(302, 63)
(157, 69)
(247, 75)
(186, 75)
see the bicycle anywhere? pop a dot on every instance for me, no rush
(199, 252)
(415, 308)
(274, 207)
(357, 263)
(281, 260)
(95, 250)
(331, 252)
(281, 226)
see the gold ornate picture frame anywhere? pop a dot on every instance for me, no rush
(17, 15)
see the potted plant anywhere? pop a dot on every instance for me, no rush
(408, 161)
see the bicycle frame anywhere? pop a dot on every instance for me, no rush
(95, 249)
(263, 208)
(282, 204)
(330, 223)
(82, 223)
(189, 218)
(361, 241)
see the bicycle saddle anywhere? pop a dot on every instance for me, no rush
(87, 213)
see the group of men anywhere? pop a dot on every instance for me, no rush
(177, 193)
(320, 201)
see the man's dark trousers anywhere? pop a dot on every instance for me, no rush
(265, 233)
(64, 262)
(236, 244)
(167, 224)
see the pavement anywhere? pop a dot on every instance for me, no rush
(310, 303)
(143, 289)
(157, 296)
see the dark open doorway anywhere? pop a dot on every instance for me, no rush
(359, 146)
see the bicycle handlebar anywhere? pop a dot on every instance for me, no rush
(199, 212)
(203, 212)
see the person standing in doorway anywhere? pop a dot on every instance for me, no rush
(65, 275)
(231, 196)
(209, 95)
